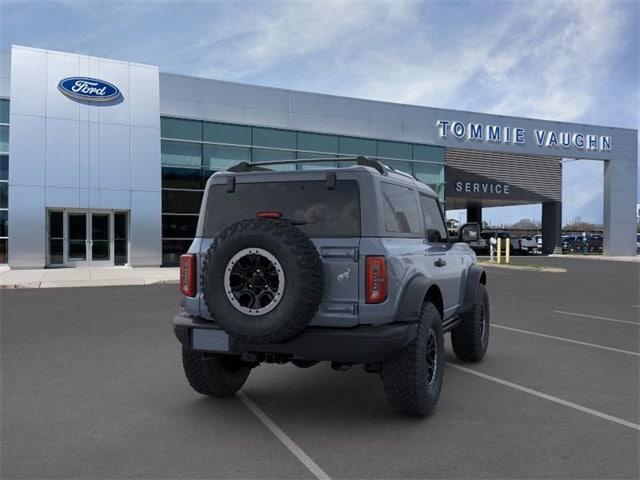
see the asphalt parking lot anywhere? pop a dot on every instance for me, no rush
(92, 387)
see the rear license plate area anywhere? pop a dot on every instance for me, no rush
(209, 340)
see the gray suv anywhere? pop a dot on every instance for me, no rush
(348, 265)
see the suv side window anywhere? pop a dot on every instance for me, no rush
(435, 229)
(400, 209)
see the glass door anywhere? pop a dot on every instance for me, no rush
(77, 239)
(100, 241)
(83, 238)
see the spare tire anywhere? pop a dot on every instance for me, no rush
(262, 280)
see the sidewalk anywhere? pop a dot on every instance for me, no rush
(87, 277)
(633, 259)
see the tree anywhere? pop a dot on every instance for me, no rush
(578, 225)
(526, 224)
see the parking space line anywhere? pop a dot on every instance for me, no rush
(573, 314)
(563, 339)
(551, 398)
(284, 438)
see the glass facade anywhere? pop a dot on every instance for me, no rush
(193, 150)
(4, 180)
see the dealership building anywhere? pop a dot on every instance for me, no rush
(103, 162)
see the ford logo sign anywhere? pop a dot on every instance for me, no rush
(89, 89)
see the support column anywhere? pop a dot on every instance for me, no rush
(474, 214)
(552, 227)
(619, 213)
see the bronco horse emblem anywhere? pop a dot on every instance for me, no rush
(346, 275)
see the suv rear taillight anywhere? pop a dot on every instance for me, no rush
(188, 275)
(376, 279)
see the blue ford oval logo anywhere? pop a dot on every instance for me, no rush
(90, 89)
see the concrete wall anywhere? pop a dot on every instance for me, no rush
(71, 154)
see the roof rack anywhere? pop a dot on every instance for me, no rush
(262, 166)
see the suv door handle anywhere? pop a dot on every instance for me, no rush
(440, 263)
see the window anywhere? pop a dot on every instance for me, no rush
(266, 155)
(428, 153)
(182, 129)
(179, 226)
(172, 249)
(435, 229)
(4, 234)
(394, 150)
(190, 178)
(317, 143)
(181, 153)
(4, 111)
(334, 213)
(4, 223)
(4, 167)
(219, 157)
(224, 133)
(358, 146)
(4, 139)
(181, 201)
(400, 209)
(120, 242)
(271, 137)
(4, 178)
(428, 173)
(4, 195)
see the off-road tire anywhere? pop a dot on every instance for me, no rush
(405, 375)
(470, 338)
(303, 272)
(214, 375)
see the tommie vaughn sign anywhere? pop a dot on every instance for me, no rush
(89, 89)
(516, 135)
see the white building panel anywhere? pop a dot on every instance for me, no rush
(118, 112)
(115, 156)
(63, 153)
(145, 152)
(27, 236)
(266, 98)
(28, 81)
(144, 97)
(59, 66)
(27, 142)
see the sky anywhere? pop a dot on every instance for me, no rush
(574, 61)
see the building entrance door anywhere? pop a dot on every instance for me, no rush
(83, 238)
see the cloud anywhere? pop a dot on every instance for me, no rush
(575, 60)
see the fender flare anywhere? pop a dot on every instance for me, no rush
(412, 298)
(475, 277)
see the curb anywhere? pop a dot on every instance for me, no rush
(600, 258)
(76, 284)
(523, 267)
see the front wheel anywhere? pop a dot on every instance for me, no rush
(470, 338)
(213, 374)
(412, 379)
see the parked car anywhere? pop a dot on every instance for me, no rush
(351, 265)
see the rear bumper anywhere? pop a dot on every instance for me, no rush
(362, 344)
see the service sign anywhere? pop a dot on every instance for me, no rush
(88, 89)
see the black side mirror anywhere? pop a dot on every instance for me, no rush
(469, 232)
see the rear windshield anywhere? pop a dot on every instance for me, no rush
(327, 213)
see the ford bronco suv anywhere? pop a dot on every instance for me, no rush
(348, 265)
